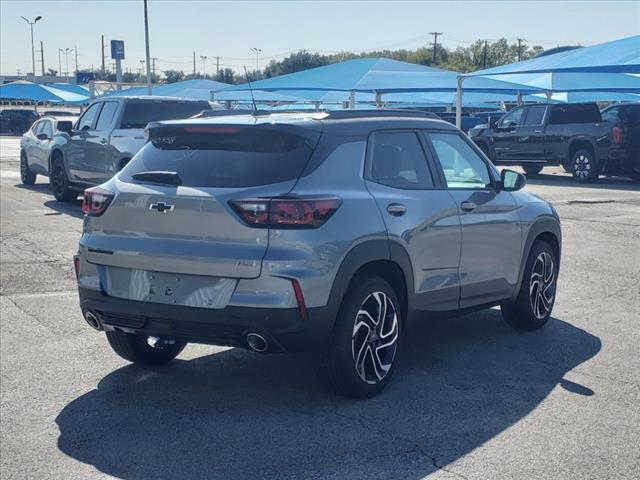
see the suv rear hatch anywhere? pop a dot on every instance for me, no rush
(171, 212)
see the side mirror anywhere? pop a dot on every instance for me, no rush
(43, 136)
(511, 181)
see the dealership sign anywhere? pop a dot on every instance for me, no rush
(117, 49)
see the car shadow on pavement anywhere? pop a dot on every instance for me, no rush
(237, 414)
(73, 209)
(603, 183)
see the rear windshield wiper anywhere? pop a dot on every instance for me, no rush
(165, 178)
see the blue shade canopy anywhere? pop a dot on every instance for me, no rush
(199, 89)
(576, 97)
(258, 95)
(577, 82)
(618, 56)
(378, 75)
(22, 90)
(70, 87)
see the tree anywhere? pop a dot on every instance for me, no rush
(51, 72)
(173, 76)
(226, 75)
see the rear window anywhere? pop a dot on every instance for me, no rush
(230, 158)
(138, 114)
(631, 113)
(576, 113)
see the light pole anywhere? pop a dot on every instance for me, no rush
(204, 67)
(33, 51)
(257, 51)
(66, 55)
(146, 44)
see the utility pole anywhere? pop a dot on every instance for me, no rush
(153, 65)
(217, 66)
(42, 56)
(194, 63)
(33, 50)
(257, 51)
(102, 51)
(59, 62)
(76, 52)
(520, 40)
(435, 44)
(204, 67)
(484, 55)
(146, 41)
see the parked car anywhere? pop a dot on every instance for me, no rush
(536, 136)
(105, 137)
(310, 232)
(57, 113)
(36, 144)
(17, 121)
(626, 120)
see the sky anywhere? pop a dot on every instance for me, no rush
(231, 29)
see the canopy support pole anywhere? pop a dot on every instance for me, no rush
(378, 100)
(459, 102)
(352, 100)
(519, 97)
(549, 95)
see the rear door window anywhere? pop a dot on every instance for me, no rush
(105, 120)
(398, 160)
(139, 114)
(576, 113)
(227, 157)
(535, 116)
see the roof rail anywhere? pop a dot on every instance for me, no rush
(382, 112)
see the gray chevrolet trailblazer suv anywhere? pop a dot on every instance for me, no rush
(320, 233)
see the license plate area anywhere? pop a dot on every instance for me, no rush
(167, 288)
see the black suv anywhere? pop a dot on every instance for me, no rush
(17, 121)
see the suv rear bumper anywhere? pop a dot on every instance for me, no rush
(283, 328)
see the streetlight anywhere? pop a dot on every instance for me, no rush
(204, 68)
(33, 51)
(66, 54)
(257, 51)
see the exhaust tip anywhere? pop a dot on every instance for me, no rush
(257, 342)
(92, 320)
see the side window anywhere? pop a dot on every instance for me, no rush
(88, 117)
(36, 128)
(47, 128)
(398, 161)
(514, 118)
(105, 120)
(611, 115)
(535, 116)
(462, 166)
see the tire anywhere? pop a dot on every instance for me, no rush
(584, 166)
(26, 175)
(537, 295)
(60, 182)
(346, 365)
(135, 348)
(532, 170)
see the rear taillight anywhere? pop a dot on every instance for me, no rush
(286, 212)
(617, 135)
(96, 200)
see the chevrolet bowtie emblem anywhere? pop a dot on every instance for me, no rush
(162, 207)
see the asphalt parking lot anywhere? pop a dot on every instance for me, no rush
(472, 398)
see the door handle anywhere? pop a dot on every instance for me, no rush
(396, 209)
(468, 206)
(537, 131)
(103, 141)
